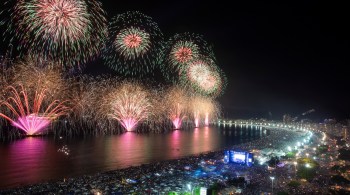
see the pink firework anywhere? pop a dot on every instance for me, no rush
(176, 105)
(130, 105)
(203, 107)
(31, 119)
(196, 119)
(31, 124)
(177, 117)
(206, 120)
(196, 106)
(129, 123)
(177, 122)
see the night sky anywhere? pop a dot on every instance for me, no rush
(279, 58)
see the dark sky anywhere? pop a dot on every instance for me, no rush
(278, 57)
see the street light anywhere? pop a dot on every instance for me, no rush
(307, 165)
(295, 168)
(272, 178)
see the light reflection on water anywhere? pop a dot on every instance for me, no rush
(36, 159)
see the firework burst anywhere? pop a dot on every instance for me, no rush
(29, 114)
(134, 44)
(180, 50)
(66, 31)
(183, 52)
(129, 104)
(204, 77)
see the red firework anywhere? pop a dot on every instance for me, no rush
(183, 54)
(132, 40)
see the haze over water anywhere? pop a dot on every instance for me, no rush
(37, 159)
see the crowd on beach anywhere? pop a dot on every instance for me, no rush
(176, 175)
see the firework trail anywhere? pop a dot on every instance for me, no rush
(203, 107)
(89, 114)
(70, 32)
(34, 74)
(134, 44)
(196, 118)
(176, 101)
(29, 114)
(180, 50)
(176, 117)
(196, 104)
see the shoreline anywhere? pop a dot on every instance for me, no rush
(114, 180)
